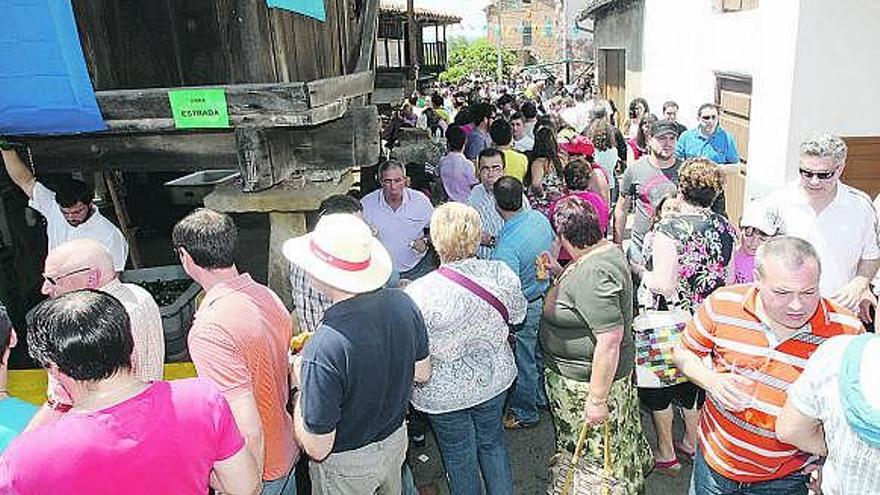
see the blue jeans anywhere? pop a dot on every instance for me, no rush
(708, 482)
(528, 389)
(285, 485)
(472, 443)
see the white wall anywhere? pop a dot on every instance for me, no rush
(686, 41)
(837, 74)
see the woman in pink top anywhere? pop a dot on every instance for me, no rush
(577, 175)
(122, 435)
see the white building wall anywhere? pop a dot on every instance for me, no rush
(686, 42)
(837, 74)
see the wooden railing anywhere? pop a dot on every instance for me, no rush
(433, 54)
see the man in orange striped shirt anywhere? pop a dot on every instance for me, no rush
(758, 338)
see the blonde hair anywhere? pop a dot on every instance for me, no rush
(455, 231)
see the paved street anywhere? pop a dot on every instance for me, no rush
(529, 451)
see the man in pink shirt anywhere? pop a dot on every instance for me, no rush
(123, 435)
(240, 339)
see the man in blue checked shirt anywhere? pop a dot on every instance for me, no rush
(522, 239)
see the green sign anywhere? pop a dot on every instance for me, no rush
(199, 108)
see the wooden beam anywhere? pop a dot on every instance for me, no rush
(331, 89)
(304, 118)
(369, 27)
(265, 155)
(152, 103)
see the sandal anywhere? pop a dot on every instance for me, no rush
(667, 468)
(511, 423)
(689, 454)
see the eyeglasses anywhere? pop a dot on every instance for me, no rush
(388, 182)
(809, 174)
(54, 280)
(708, 117)
(752, 231)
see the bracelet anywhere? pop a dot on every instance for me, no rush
(597, 402)
(5, 145)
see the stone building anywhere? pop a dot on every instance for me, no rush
(531, 29)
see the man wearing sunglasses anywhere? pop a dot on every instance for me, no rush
(708, 139)
(839, 220)
(70, 213)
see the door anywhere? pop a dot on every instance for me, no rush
(612, 78)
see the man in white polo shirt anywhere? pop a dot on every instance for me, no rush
(838, 220)
(400, 217)
(70, 213)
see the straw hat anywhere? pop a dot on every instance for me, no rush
(342, 253)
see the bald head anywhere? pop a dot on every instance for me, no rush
(75, 265)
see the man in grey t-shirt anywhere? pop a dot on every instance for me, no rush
(646, 182)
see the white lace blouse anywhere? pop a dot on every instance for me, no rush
(471, 360)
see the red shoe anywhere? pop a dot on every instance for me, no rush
(667, 468)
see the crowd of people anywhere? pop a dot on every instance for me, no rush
(542, 276)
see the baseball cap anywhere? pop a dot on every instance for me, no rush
(663, 127)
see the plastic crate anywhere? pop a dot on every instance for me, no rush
(177, 317)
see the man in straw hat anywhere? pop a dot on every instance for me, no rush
(356, 373)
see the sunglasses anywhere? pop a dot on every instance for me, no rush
(809, 174)
(708, 117)
(54, 280)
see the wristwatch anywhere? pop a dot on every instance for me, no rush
(597, 402)
(5, 145)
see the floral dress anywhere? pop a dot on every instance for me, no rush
(705, 244)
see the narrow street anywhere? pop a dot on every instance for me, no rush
(530, 450)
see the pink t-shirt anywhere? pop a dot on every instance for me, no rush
(598, 203)
(743, 267)
(164, 440)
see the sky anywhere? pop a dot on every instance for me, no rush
(473, 19)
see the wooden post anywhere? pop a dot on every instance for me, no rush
(123, 219)
(411, 36)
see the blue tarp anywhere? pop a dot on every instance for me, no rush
(311, 8)
(44, 84)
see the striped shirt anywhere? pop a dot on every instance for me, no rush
(742, 446)
(239, 339)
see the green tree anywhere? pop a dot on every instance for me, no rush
(478, 57)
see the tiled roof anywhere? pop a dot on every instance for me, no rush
(421, 14)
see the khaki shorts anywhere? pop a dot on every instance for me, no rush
(373, 468)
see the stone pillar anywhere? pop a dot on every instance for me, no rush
(288, 206)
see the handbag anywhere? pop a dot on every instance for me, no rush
(656, 332)
(568, 476)
(477, 290)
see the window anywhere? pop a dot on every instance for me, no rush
(548, 28)
(733, 95)
(526, 33)
(738, 5)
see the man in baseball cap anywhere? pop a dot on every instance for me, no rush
(356, 373)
